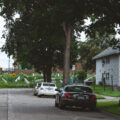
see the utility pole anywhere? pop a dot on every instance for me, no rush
(9, 64)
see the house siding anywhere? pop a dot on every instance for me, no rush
(111, 68)
(119, 70)
(98, 71)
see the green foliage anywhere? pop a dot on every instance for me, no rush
(22, 84)
(93, 80)
(39, 29)
(81, 75)
(90, 48)
(100, 97)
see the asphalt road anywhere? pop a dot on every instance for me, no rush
(20, 104)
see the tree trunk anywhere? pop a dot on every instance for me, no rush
(49, 73)
(44, 75)
(68, 30)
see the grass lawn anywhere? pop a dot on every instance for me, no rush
(108, 91)
(100, 97)
(111, 107)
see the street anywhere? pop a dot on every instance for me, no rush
(20, 104)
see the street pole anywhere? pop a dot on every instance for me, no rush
(9, 64)
(73, 69)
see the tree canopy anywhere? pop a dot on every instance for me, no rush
(43, 21)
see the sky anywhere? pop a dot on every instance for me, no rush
(4, 60)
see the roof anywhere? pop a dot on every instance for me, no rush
(107, 52)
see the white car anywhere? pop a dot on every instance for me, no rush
(47, 89)
(36, 88)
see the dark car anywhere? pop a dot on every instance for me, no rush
(76, 95)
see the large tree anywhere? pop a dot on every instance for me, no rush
(69, 14)
(64, 13)
(42, 47)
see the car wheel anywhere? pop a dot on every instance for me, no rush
(83, 108)
(35, 94)
(39, 95)
(56, 105)
(93, 108)
(61, 105)
(54, 96)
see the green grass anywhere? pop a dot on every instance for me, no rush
(108, 91)
(100, 97)
(111, 107)
(20, 84)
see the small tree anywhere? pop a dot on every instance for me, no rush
(82, 75)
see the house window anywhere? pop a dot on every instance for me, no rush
(107, 76)
(103, 62)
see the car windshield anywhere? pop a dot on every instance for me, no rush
(78, 89)
(47, 84)
(52, 85)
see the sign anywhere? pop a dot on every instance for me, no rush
(73, 67)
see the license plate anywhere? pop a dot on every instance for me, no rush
(50, 89)
(81, 98)
(86, 97)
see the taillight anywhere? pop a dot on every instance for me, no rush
(67, 95)
(41, 88)
(94, 97)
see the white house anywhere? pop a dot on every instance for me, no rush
(108, 66)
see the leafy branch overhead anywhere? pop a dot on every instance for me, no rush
(45, 28)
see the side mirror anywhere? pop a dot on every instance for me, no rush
(57, 90)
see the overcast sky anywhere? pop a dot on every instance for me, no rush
(4, 60)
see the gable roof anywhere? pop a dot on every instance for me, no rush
(107, 52)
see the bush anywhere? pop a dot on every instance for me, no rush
(82, 75)
(93, 79)
(101, 83)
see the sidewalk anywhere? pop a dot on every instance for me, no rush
(108, 98)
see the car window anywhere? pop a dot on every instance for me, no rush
(87, 89)
(78, 89)
(45, 84)
(52, 85)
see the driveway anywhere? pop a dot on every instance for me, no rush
(20, 104)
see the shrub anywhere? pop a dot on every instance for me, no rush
(81, 75)
(101, 83)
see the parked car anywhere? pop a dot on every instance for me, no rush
(76, 95)
(36, 88)
(47, 88)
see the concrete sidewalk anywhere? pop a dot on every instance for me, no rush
(108, 98)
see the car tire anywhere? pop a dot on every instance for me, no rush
(61, 105)
(93, 108)
(39, 95)
(35, 94)
(56, 104)
(83, 108)
(54, 96)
